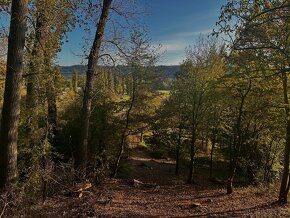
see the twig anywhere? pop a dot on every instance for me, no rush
(4, 208)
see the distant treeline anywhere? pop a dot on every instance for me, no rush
(168, 72)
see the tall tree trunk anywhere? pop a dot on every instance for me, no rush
(124, 133)
(267, 163)
(237, 141)
(31, 100)
(178, 152)
(230, 183)
(231, 173)
(192, 154)
(11, 103)
(116, 167)
(211, 158)
(234, 154)
(51, 109)
(35, 68)
(284, 189)
(81, 154)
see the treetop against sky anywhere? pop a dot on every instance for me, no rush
(173, 24)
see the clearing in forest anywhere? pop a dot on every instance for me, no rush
(158, 193)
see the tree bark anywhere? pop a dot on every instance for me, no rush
(178, 152)
(232, 170)
(211, 158)
(192, 154)
(81, 154)
(11, 103)
(230, 184)
(51, 110)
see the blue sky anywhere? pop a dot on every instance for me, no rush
(171, 23)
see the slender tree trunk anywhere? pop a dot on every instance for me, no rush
(81, 154)
(114, 174)
(284, 189)
(124, 134)
(230, 184)
(237, 141)
(234, 154)
(191, 169)
(192, 154)
(211, 158)
(51, 111)
(11, 103)
(178, 152)
(32, 101)
(35, 68)
(270, 161)
(232, 172)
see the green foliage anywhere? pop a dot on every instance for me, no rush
(74, 82)
(69, 129)
(234, 98)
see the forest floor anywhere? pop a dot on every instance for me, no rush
(161, 195)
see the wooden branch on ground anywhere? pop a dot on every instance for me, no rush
(136, 183)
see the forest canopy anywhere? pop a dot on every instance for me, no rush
(220, 117)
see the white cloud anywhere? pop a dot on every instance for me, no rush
(173, 46)
(192, 33)
(170, 61)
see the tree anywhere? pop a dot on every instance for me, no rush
(263, 28)
(74, 82)
(11, 103)
(236, 142)
(214, 119)
(81, 157)
(170, 128)
(202, 66)
(35, 70)
(140, 58)
(51, 20)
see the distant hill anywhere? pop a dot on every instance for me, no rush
(165, 71)
(67, 71)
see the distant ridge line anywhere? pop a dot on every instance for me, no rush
(168, 71)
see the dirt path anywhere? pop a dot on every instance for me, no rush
(149, 170)
(169, 198)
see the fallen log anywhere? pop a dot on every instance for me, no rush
(79, 190)
(136, 183)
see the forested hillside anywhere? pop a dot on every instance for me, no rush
(165, 71)
(125, 135)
